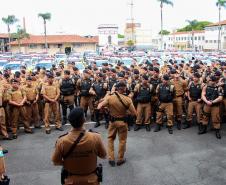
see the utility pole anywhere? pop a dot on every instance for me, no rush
(132, 20)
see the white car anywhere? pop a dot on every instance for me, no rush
(2, 63)
(44, 64)
(13, 66)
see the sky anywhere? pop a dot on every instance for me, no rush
(83, 16)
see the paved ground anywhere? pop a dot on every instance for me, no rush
(183, 158)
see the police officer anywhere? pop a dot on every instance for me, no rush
(143, 98)
(51, 94)
(81, 162)
(99, 90)
(17, 98)
(67, 91)
(84, 85)
(223, 85)
(212, 95)
(76, 76)
(118, 105)
(195, 101)
(166, 93)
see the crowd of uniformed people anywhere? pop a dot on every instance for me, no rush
(171, 93)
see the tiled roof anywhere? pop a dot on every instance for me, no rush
(3, 35)
(188, 32)
(216, 24)
(56, 39)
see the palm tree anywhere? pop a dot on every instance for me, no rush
(220, 4)
(19, 35)
(10, 20)
(192, 25)
(162, 2)
(45, 16)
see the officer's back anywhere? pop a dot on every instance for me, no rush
(81, 163)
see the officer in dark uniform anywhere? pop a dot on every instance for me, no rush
(143, 98)
(212, 95)
(76, 76)
(112, 79)
(195, 101)
(99, 90)
(67, 91)
(81, 162)
(166, 93)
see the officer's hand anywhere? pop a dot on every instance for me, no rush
(199, 100)
(209, 103)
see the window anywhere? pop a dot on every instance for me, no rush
(32, 46)
(185, 38)
(215, 41)
(211, 41)
(43, 46)
(195, 38)
(203, 38)
(199, 38)
(59, 45)
(206, 41)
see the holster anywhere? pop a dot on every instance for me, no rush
(64, 175)
(99, 172)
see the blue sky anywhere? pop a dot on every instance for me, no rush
(83, 16)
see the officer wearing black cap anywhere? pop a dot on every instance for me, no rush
(143, 93)
(79, 162)
(212, 95)
(165, 92)
(76, 76)
(99, 90)
(67, 91)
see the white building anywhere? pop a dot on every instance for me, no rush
(108, 35)
(211, 35)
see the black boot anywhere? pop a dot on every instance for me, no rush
(170, 130)
(106, 117)
(92, 117)
(157, 128)
(97, 124)
(137, 127)
(179, 125)
(148, 128)
(218, 134)
(187, 125)
(106, 125)
(64, 121)
(203, 129)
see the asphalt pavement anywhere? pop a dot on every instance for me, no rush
(183, 158)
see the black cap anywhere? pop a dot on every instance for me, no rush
(156, 69)
(29, 78)
(145, 77)
(197, 75)
(173, 71)
(14, 80)
(100, 75)
(76, 117)
(86, 71)
(113, 70)
(6, 75)
(121, 75)
(75, 69)
(218, 73)
(136, 72)
(121, 84)
(49, 75)
(166, 77)
(17, 74)
(67, 72)
(213, 78)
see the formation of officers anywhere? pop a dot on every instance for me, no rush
(171, 93)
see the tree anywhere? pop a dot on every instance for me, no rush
(120, 36)
(220, 4)
(19, 35)
(199, 25)
(162, 2)
(130, 43)
(45, 17)
(10, 20)
(192, 25)
(164, 32)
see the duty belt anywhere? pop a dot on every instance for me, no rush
(113, 119)
(71, 174)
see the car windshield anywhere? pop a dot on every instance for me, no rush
(100, 62)
(2, 63)
(45, 65)
(127, 62)
(12, 66)
(80, 66)
(61, 56)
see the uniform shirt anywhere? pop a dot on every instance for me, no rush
(180, 86)
(83, 159)
(116, 108)
(16, 95)
(51, 91)
(31, 92)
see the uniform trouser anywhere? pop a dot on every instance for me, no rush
(8, 111)
(87, 102)
(143, 109)
(120, 128)
(154, 106)
(168, 109)
(82, 180)
(194, 105)
(16, 112)
(214, 113)
(68, 102)
(224, 106)
(33, 114)
(178, 107)
(2, 122)
(51, 108)
(41, 105)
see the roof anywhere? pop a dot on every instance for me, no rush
(4, 35)
(188, 32)
(217, 24)
(56, 39)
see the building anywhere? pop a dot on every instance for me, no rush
(108, 35)
(4, 40)
(183, 41)
(211, 34)
(56, 43)
(142, 38)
